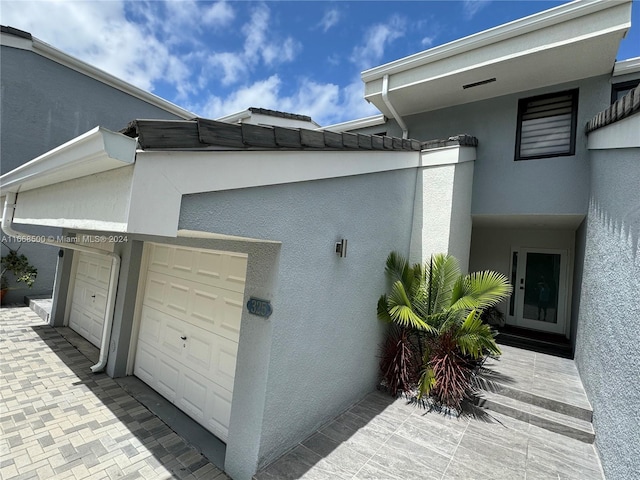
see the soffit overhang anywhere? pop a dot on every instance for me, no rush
(570, 42)
(99, 150)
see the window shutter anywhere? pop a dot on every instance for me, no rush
(547, 126)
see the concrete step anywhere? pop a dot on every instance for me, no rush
(40, 305)
(560, 417)
(536, 345)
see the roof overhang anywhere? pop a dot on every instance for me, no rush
(366, 122)
(100, 182)
(570, 42)
(98, 150)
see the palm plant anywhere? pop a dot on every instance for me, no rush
(437, 311)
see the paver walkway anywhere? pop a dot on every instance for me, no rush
(58, 420)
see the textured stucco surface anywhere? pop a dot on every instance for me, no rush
(608, 346)
(45, 104)
(323, 335)
(502, 186)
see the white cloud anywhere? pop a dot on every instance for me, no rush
(101, 34)
(471, 7)
(376, 39)
(326, 103)
(218, 14)
(234, 67)
(427, 41)
(262, 42)
(329, 20)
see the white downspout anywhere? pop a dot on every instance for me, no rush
(394, 113)
(7, 221)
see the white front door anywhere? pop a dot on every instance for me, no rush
(89, 298)
(189, 330)
(540, 289)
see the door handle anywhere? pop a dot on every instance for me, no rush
(183, 337)
(93, 296)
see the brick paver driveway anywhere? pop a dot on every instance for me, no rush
(58, 420)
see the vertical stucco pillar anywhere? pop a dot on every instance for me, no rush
(131, 261)
(250, 389)
(442, 209)
(61, 287)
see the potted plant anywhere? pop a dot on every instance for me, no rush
(18, 265)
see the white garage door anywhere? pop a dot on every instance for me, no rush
(189, 330)
(89, 299)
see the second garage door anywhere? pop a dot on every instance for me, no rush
(189, 330)
(89, 300)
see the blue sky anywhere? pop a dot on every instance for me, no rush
(217, 58)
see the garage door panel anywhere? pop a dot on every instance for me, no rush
(80, 321)
(221, 269)
(204, 306)
(160, 257)
(236, 271)
(218, 401)
(199, 351)
(172, 342)
(177, 295)
(230, 316)
(183, 260)
(189, 331)
(154, 292)
(209, 267)
(150, 326)
(225, 364)
(193, 397)
(216, 310)
(146, 363)
(167, 378)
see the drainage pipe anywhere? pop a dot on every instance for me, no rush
(7, 227)
(394, 112)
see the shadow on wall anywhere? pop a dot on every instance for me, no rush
(625, 227)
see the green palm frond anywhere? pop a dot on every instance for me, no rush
(475, 337)
(400, 309)
(441, 274)
(383, 311)
(427, 382)
(480, 290)
(398, 269)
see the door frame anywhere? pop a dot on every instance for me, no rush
(515, 316)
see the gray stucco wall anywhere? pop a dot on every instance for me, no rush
(45, 104)
(502, 186)
(323, 334)
(607, 348)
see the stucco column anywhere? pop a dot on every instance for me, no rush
(442, 209)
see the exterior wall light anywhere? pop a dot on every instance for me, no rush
(341, 248)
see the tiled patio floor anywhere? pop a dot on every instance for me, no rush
(60, 421)
(381, 438)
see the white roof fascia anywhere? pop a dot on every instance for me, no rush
(52, 53)
(631, 65)
(235, 117)
(497, 34)
(498, 60)
(372, 121)
(98, 150)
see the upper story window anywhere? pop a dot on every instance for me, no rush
(547, 125)
(619, 90)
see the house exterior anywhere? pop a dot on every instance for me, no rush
(235, 267)
(48, 98)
